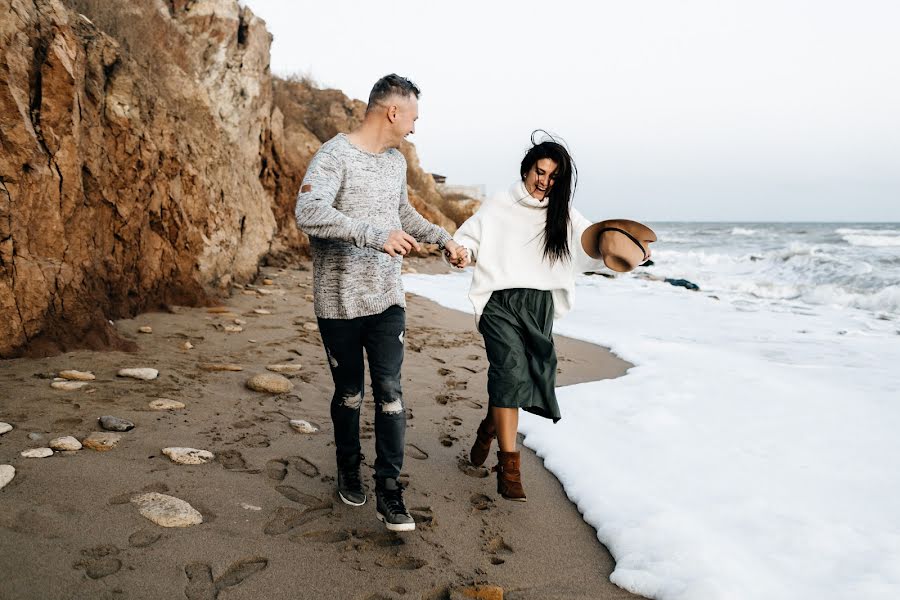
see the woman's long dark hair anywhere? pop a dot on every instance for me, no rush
(556, 228)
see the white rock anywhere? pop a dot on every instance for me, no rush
(309, 297)
(266, 382)
(37, 453)
(77, 375)
(145, 373)
(188, 456)
(240, 322)
(244, 505)
(310, 327)
(287, 368)
(187, 346)
(7, 472)
(263, 292)
(145, 329)
(68, 385)
(167, 511)
(301, 426)
(233, 328)
(101, 441)
(166, 404)
(4, 427)
(65, 443)
(262, 311)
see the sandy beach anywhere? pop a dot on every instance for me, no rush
(272, 524)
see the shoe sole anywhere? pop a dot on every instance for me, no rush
(349, 502)
(396, 526)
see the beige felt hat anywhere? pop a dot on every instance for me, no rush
(622, 244)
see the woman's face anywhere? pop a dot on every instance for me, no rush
(540, 178)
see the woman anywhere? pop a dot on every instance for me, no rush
(527, 244)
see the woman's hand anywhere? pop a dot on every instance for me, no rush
(457, 255)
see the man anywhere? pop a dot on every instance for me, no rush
(353, 204)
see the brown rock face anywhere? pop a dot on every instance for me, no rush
(148, 158)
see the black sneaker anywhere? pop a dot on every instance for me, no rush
(350, 487)
(389, 506)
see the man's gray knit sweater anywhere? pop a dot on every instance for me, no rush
(349, 202)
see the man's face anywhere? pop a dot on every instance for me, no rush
(540, 178)
(406, 115)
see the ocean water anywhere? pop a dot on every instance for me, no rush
(751, 452)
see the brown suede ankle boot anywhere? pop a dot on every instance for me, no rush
(509, 479)
(482, 446)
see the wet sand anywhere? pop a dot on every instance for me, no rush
(273, 526)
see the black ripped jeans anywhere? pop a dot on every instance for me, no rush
(381, 336)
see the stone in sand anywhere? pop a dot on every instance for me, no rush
(268, 282)
(263, 292)
(187, 346)
(308, 297)
(7, 472)
(77, 375)
(35, 436)
(101, 441)
(301, 426)
(167, 511)
(233, 328)
(166, 404)
(68, 386)
(144, 373)
(477, 592)
(289, 368)
(240, 322)
(37, 453)
(310, 327)
(65, 443)
(273, 384)
(262, 311)
(145, 329)
(220, 367)
(111, 423)
(188, 456)
(218, 309)
(4, 427)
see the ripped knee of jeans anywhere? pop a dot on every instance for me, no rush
(394, 407)
(351, 399)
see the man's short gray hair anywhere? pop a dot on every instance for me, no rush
(391, 85)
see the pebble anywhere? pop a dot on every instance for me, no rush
(68, 385)
(268, 282)
(244, 505)
(77, 375)
(4, 427)
(7, 472)
(187, 346)
(285, 368)
(111, 423)
(477, 592)
(310, 327)
(101, 441)
(249, 292)
(167, 511)
(273, 384)
(263, 292)
(262, 311)
(233, 328)
(301, 426)
(309, 297)
(35, 436)
(188, 456)
(220, 367)
(145, 329)
(218, 309)
(166, 404)
(65, 443)
(37, 453)
(144, 373)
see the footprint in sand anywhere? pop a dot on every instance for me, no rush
(415, 452)
(304, 465)
(202, 586)
(471, 470)
(405, 563)
(295, 495)
(99, 562)
(481, 502)
(286, 518)
(380, 539)
(143, 538)
(496, 545)
(276, 469)
(231, 460)
(321, 536)
(447, 440)
(422, 515)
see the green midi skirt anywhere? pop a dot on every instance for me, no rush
(517, 325)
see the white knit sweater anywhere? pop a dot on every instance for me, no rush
(504, 238)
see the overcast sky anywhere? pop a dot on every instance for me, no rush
(756, 110)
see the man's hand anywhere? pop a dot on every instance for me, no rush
(456, 254)
(400, 243)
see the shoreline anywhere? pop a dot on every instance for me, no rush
(272, 524)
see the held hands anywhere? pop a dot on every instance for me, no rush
(400, 243)
(457, 255)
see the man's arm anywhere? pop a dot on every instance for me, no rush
(315, 211)
(418, 226)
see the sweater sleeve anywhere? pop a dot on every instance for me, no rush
(315, 211)
(469, 234)
(418, 226)
(580, 259)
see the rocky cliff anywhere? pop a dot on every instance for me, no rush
(148, 158)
